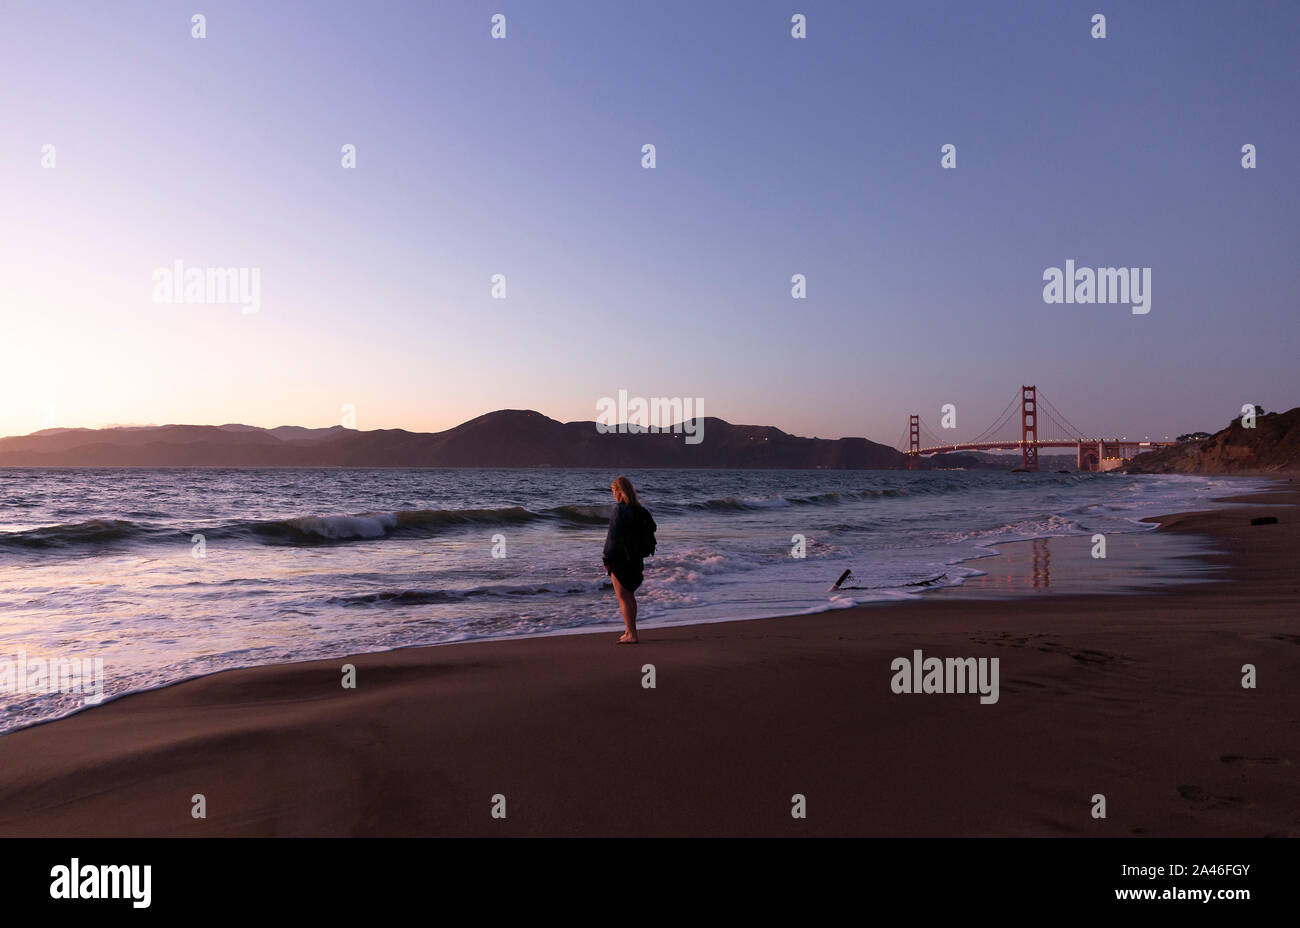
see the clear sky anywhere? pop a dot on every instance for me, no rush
(522, 156)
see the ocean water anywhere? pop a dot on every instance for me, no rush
(300, 564)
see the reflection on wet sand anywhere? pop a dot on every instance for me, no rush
(1064, 564)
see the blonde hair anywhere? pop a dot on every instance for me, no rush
(624, 491)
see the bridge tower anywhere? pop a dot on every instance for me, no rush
(914, 443)
(1029, 427)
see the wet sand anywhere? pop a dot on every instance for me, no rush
(1136, 696)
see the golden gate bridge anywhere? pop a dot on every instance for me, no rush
(1094, 453)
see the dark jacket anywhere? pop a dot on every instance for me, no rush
(623, 529)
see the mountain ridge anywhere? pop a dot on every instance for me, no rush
(503, 438)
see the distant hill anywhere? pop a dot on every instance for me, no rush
(506, 438)
(1272, 445)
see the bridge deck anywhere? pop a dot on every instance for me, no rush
(1018, 445)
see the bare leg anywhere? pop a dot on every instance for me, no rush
(626, 605)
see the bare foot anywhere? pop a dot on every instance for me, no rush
(627, 639)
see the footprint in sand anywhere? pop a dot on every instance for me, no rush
(1004, 641)
(1082, 655)
(1207, 801)
(1255, 761)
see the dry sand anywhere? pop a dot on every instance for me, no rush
(1135, 696)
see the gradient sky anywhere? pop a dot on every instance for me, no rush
(522, 157)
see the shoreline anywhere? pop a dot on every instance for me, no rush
(995, 552)
(257, 741)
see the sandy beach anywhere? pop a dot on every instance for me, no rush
(1137, 697)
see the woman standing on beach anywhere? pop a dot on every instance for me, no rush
(631, 539)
